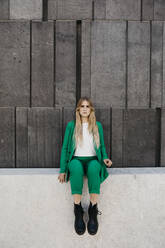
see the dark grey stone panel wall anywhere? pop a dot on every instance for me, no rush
(120, 9)
(138, 64)
(157, 64)
(107, 9)
(108, 63)
(65, 88)
(83, 9)
(14, 63)
(147, 10)
(122, 66)
(117, 137)
(44, 132)
(39, 136)
(70, 9)
(68, 114)
(4, 9)
(43, 63)
(22, 9)
(135, 137)
(86, 59)
(140, 137)
(163, 68)
(159, 10)
(99, 9)
(104, 116)
(131, 136)
(52, 9)
(162, 155)
(7, 137)
(21, 137)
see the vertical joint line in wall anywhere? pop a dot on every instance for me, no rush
(44, 10)
(126, 69)
(15, 136)
(30, 63)
(62, 124)
(110, 132)
(141, 10)
(90, 57)
(27, 137)
(158, 138)
(124, 162)
(78, 58)
(8, 9)
(162, 88)
(93, 9)
(44, 135)
(160, 135)
(54, 63)
(153, 14)
(122, 136)
(150, 64)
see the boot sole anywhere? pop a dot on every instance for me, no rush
(80, 233)
(91, 233)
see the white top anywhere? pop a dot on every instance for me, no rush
(87, 148)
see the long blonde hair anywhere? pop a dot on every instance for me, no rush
(92, 126)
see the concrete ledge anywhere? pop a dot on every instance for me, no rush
(36, 211)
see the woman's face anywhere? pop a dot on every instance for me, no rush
(84, 109)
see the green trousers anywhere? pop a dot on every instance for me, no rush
(80, 166)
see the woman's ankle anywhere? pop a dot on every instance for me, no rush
(93, 202)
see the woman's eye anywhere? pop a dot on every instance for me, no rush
(82, 106)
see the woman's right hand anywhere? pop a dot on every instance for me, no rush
(62, 177)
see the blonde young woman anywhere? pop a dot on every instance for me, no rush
(83, 152)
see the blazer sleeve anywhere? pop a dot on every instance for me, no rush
(103, 149)
(63, 158)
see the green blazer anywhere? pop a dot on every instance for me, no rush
(68, 149)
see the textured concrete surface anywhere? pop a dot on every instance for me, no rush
(42, 63)
(123, 9)
(65, 76)
(36, 211)
(138, 64)
(70, 9)
(14, 63)
(108, 51)
(4, 9)
(25, 9)
(117, 63)
(83, 9)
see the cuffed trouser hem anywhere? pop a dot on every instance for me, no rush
(76, 192)
(94, 192)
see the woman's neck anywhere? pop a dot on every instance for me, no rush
(84, 120)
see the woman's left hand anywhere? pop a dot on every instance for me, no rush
(108, 162)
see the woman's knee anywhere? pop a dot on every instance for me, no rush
(94, 167)
(75, 167)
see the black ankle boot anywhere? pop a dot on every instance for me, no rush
(79, 223)
(92, 224)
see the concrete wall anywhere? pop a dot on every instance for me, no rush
(83, 9)
(32, 137)
(50, 63)
(53, 52)
(36, 211)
